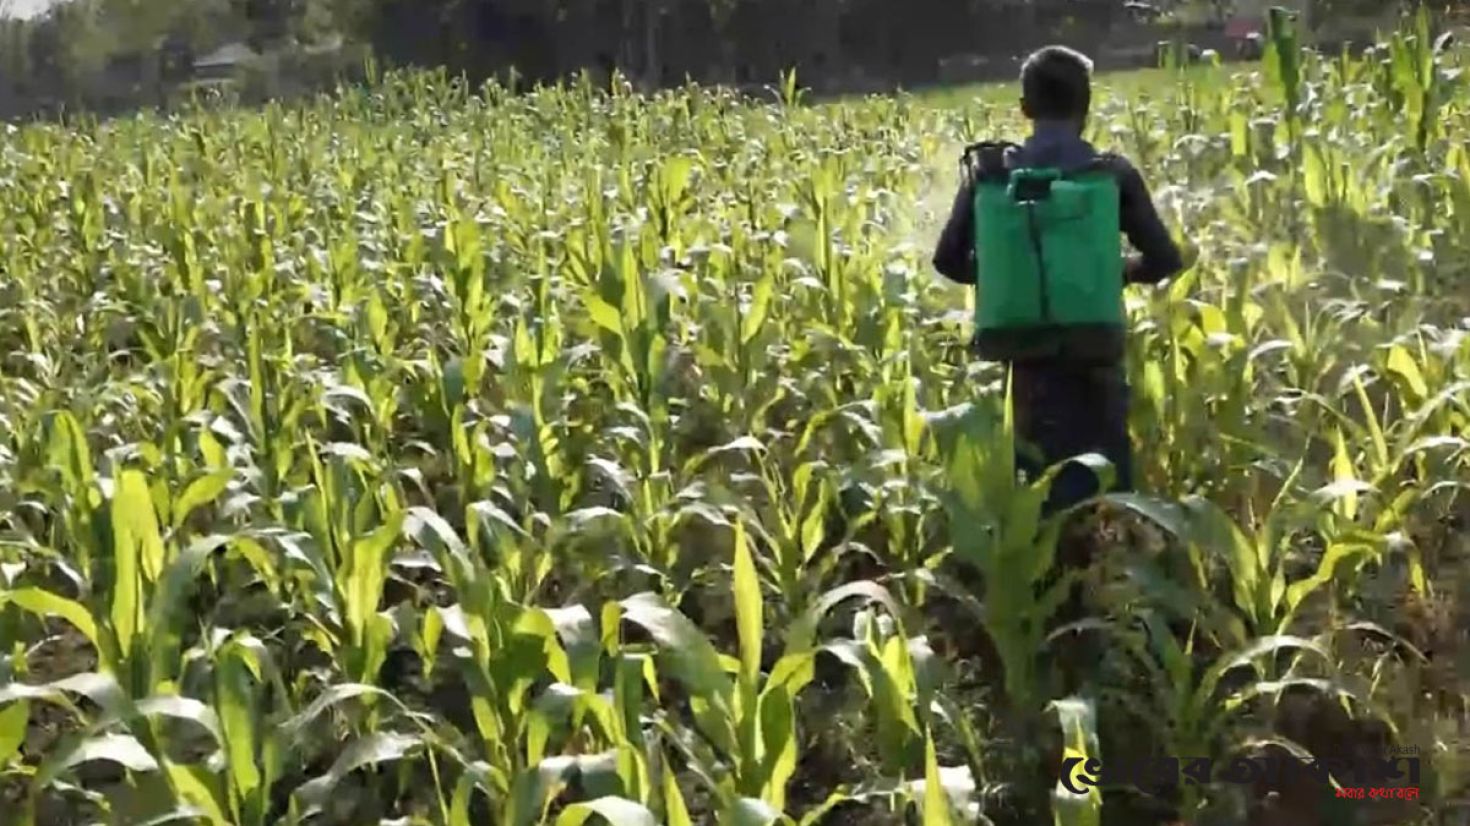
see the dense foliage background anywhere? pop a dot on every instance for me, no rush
(116, 55)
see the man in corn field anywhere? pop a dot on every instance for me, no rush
(1037, 228)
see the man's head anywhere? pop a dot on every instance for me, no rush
(1056, 84)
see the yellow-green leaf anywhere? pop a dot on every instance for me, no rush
(813, 527)
(198, 787)
(936, 802)
(778, 740)
(133, 550)
(13, 722)
(616, 811)
(1343, 472)
(46, 604)
(1336, 554)
(748, 607)
(367, 572)
(1401, 364)
(1380, 443)
(760, 305)
(135, 524)
(234, 697)
(214, 454)
(603, 314)
(676, 812)
(67, 450)
(200, 492)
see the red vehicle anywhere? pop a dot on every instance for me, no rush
(1246, 26)
(1354, 23)
(1246, 35)
(1241, 28)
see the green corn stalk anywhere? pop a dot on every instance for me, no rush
(748, 722)
(137, 635)
(353, 533)
(801, 506)
(1256, 556)
(254, 756)
(1283, 64)
(996, 526)
(1194, 713)
(510, 648)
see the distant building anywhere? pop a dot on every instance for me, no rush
(224, 62)
(25, 9)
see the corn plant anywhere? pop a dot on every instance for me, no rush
(439, 453)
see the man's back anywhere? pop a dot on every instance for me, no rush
(1063, 407)
(1058, 145)
(1066, 405)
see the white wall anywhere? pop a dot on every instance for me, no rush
(25, 8)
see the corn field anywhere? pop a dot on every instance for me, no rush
(436, 455)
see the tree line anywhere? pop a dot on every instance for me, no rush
(103, 54)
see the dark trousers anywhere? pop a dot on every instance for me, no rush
(1064, 410)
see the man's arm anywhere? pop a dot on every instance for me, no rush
(1158, 256)
(954, 255)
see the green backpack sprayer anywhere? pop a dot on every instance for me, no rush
(1049, 260)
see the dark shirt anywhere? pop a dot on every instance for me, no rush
(1063, 408)
(1059, 145)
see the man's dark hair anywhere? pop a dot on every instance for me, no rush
(1056, 84)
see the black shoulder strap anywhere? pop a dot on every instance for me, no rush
(1109, 161)
(986, 161)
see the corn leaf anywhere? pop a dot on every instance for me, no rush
(138, 556)
(120, 749)
(615, 810)
(936, 807)
(748, 811)
(676, 812)
(371, 749)
(13, 722)
(200, 492)
(46, 604)
(748, 607)
(199, 789)
(691, 657)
